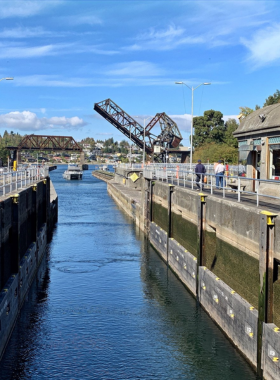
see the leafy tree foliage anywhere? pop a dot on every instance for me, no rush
(213, 152)
(208, 128)
(246, 111)
(272, 99)
(231, 125)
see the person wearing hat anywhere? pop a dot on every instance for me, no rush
(199, 171)
(220, 171)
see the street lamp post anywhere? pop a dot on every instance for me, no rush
(6, 79)
(192, 89)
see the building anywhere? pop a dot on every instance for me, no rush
(259, 143)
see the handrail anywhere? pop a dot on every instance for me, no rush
(232, 184)
(15, 180)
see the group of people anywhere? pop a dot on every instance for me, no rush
(200, 171)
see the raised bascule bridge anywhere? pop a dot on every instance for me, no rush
(156, 146)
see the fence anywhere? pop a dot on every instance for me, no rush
(232, 186)
(15, 180)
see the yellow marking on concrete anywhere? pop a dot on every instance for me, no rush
(252, 308)
(217, 278)
(233, 291)
(275, 359)
(251, 334)
(276, 329)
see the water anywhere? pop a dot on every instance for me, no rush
(109, 308)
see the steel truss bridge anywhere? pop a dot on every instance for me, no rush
(169, 137)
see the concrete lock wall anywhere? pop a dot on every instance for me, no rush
(215, 251)
(26, 220)
(126, 201)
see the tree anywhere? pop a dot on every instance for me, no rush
(213, 152)
(208, 128)
(272, 99)
(231, 126)
(246, 111)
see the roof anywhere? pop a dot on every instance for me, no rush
(264, 119)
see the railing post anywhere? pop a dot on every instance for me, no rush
(192, 180)
(211, 185)
(184, 179)
(238, 189)
(16, 180)
(266, 261)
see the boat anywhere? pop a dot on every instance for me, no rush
(73, 172)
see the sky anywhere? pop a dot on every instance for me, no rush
(67, 55)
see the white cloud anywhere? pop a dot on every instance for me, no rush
(118, 76)
(29, 121)
(21, 32)
(264, 46)
(28, 52)
(82, 20)
(135, 69)
(164, 39)
(22, 51)
(25, 8)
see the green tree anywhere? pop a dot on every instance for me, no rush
(231, 126)
(246, 111)
(209, 127)
(213, 152)
(272, 99)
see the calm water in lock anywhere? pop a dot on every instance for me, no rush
(109, 308)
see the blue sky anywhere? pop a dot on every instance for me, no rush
(66, 55)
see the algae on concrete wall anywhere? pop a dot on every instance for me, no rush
(184, 232)
(236, 268)
(160, 216)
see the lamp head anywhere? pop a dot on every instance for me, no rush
(178, 82)
(9, 78)
(206, 84)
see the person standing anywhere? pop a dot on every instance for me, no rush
(220, 171)
(199, 171)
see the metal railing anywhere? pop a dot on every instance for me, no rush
(130, 166)
(232, 186)
(15, 180)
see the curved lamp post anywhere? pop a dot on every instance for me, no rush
(192, 89)
(6, 79)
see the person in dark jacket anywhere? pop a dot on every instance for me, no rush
(199, 171)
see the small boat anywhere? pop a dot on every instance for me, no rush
(73, 172)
